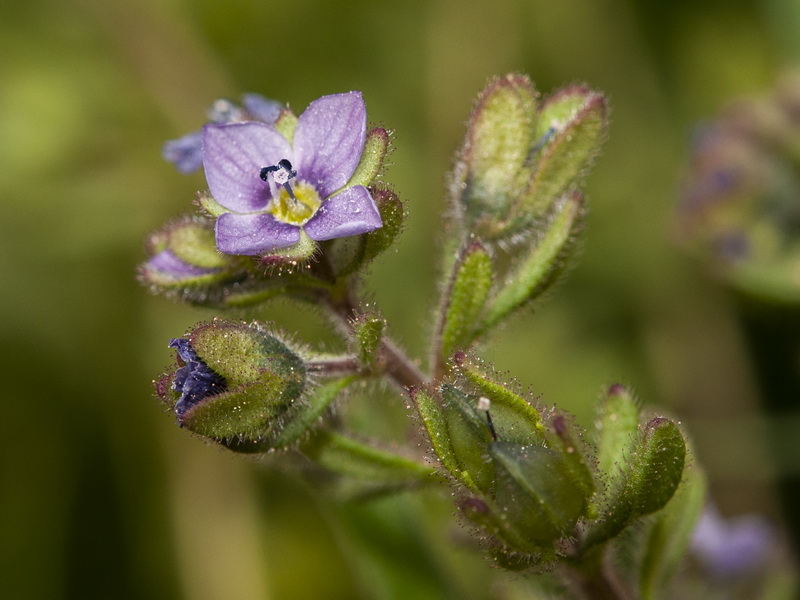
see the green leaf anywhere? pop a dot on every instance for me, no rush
(540, 268)
(465, 299)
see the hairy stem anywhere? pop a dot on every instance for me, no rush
(396, 364)
(596, 582)
(339, 365)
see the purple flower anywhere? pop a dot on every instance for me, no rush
(731, 547)
(194, 379)
(275, 188)
(186, 152)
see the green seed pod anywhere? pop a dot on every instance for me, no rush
(470, 436)
(539, 500)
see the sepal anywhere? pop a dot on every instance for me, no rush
(520, 157)
(533, 495)
(465, 298)
(369, 331)
(491, 169)
(470, 436)
(376, 148)
(533, 272)
(571, 128)
(650, 476)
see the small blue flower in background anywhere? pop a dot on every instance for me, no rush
(195, 380)
(731, 548)
(274, 187)
(186, 152)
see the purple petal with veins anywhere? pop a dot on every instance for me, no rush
(329, 141)
(233, 156)
(253, 234)
(350, 212)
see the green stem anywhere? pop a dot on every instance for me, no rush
(596, 582)
(339, 365)
(400, 368)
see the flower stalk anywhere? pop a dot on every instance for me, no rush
(295, 210)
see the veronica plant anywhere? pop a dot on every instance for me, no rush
(296, 209)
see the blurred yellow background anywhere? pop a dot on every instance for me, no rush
(102, 496)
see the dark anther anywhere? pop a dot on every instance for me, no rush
(282, 173)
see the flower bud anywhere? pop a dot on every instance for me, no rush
(184, 259)
(519, 157)
(234, 382)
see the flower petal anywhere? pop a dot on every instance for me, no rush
(166, 263)
(349, 212)
(329, 140)
(233, 156)
(253, 234)
(186, 152)
(262, 109)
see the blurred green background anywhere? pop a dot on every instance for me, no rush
(102, 496)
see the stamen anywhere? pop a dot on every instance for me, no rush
(484, 404)
(281, 174)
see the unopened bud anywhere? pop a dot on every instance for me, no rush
(233, 381)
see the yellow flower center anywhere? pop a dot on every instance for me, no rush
(295, 211)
